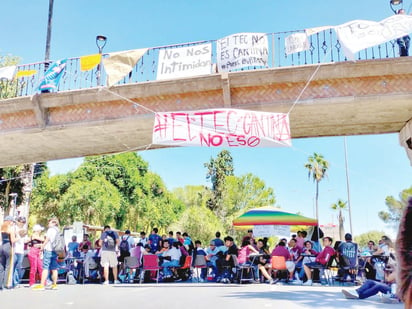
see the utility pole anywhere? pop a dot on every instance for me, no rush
(48, 38)
(347, 184)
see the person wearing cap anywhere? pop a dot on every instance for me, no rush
(212, 256)
(21, 233)
(49, 256)
(8, 238)
(35, 255)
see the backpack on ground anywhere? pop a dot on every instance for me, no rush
(59, 245)
(124, 245)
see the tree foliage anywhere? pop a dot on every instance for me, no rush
(217, 171)
(118, 190)
(362, 239)
(317, 168)
(339, 206)
(395, 207)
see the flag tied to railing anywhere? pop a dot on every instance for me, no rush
(222, 128)
(52, 77)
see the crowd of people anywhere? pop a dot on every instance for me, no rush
(302, 254)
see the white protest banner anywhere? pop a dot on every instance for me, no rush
(7, 72)
(222, 128)
(271, 230)
(360, 34)
(184, 61)
(241, 50)
(296, 42)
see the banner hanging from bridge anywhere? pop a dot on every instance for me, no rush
(241, 50)
(296, 42)
(184, 61)
(360, 34)
(222, 128)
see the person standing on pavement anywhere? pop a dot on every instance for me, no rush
(109, 240)
(49, 256)
(36, 263)
(21, 234)
(8, 238)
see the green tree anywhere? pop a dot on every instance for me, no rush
(115, 189)
(241, 194)
(362, 239)
(217, 171)
(339, 206)
(317, 167)
(395, 207)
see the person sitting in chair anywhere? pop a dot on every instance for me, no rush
(321, 260)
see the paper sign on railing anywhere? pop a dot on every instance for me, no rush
(184, 61)
(222, 128)
(241, 50)
(296, 42)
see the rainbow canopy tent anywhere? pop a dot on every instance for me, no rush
(271, 216)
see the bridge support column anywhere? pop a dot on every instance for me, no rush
(405, 139)
(227, 99)
(39, 111)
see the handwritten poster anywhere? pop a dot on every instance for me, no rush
(296, 42)
(271, 230)
(241, 50)
(222, 128)
(360, 34)
(184, 61)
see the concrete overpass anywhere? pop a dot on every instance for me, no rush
(345, 98)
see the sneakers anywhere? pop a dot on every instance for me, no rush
(117, 282)
(350, 294)
(308, 283)
(54, 287)
(38, 287)
(389, 298)
(105, 282)
(297, 282)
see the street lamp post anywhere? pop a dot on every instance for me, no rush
(48, 38)
(396, 3)
(101, 41)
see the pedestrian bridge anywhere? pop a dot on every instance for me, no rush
(333, 97)
(344, 98)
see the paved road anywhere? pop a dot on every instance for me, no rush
(185, 296)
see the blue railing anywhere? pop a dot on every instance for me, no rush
(324, 48)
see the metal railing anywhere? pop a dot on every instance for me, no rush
(324, 48)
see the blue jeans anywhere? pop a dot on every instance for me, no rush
(370, 288)
(168, 264)
(18, 273)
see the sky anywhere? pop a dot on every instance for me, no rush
(378, 166)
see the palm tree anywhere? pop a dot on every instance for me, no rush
(317, 167)
(340, 205)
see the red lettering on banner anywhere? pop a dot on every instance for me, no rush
(213, 128)
(177, 124)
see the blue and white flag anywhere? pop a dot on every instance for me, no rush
(52, 76)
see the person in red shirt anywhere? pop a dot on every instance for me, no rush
(281, 250)
(321, 260)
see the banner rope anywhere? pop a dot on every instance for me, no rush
(127, 100)
(304, 89)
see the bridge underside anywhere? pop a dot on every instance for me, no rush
(349, 98)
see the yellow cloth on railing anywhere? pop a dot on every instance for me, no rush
(25, 73)
(89, 62)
